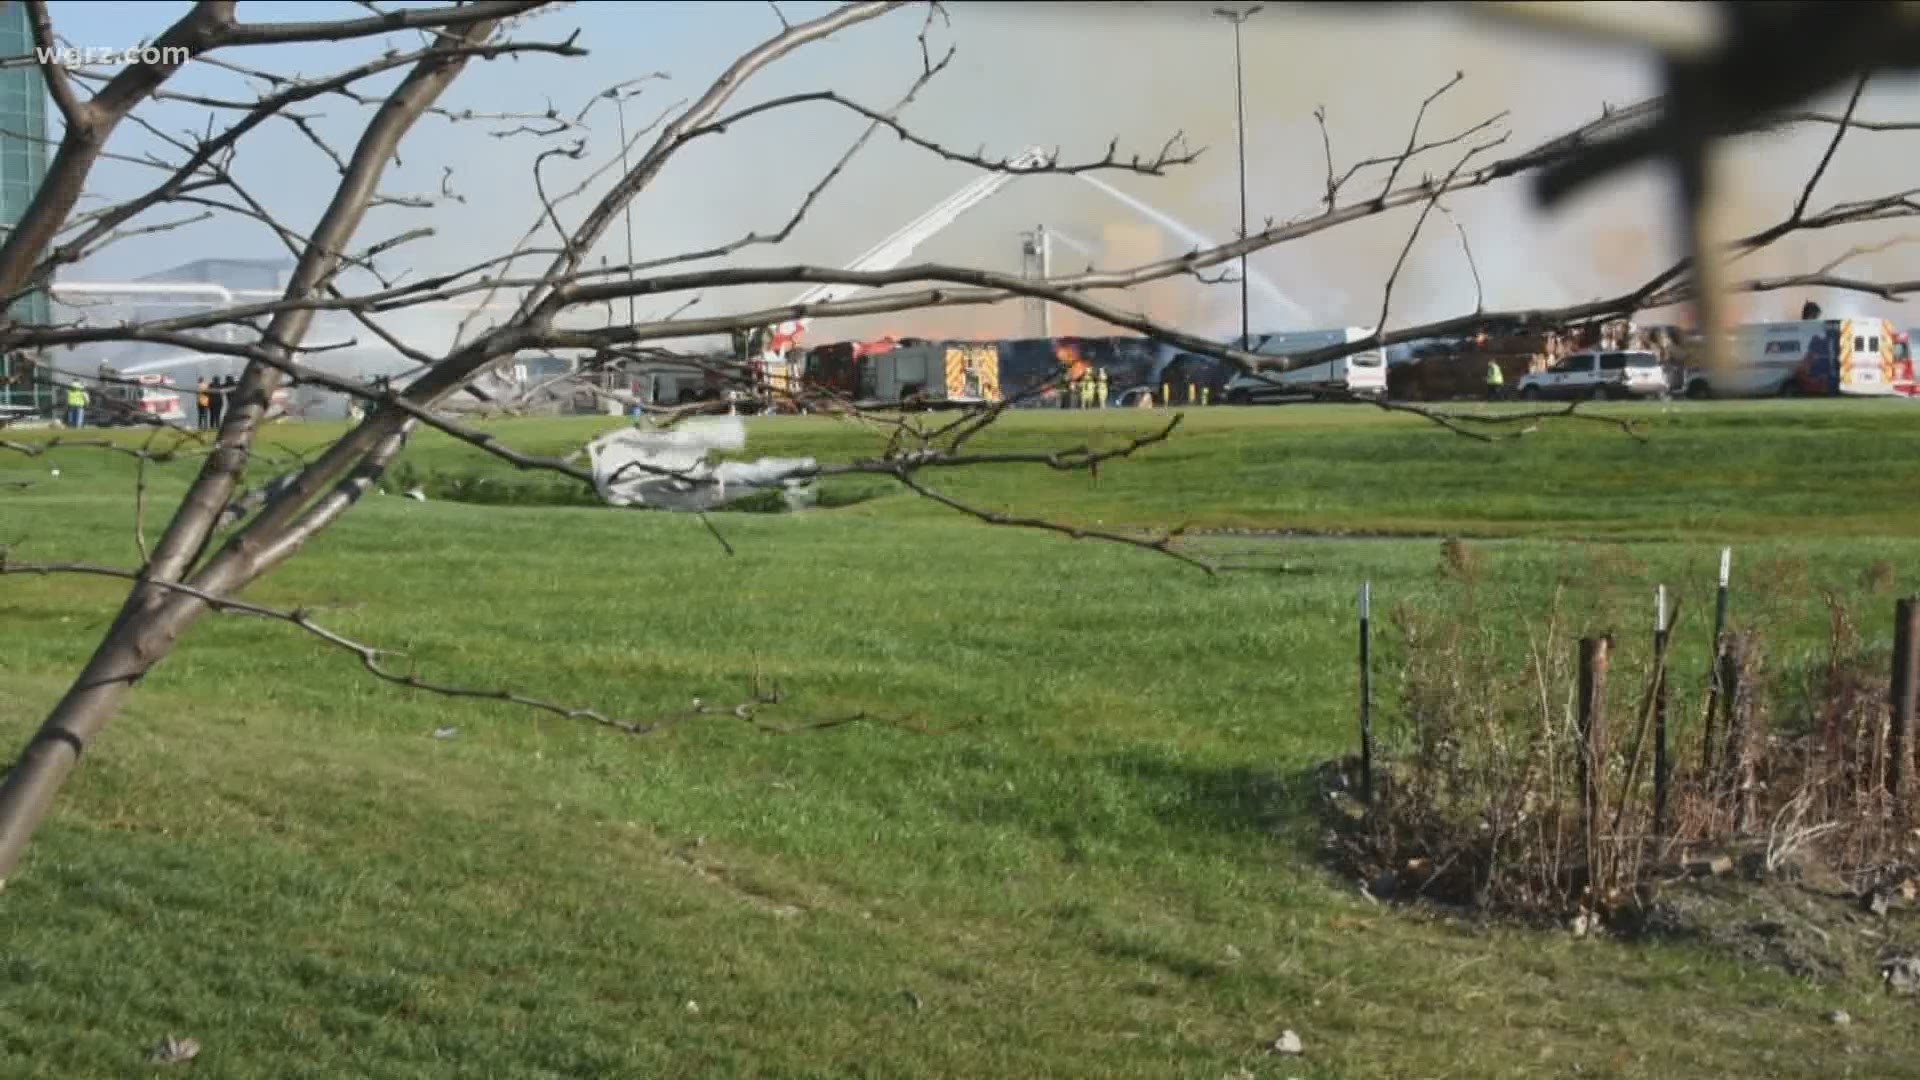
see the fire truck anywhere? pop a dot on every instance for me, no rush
(932, 374)
(147, 398)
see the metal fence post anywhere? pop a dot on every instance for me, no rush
(1662, 767)
(1366, 691)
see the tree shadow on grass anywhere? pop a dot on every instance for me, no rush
(1211, 798)
(1142, 799)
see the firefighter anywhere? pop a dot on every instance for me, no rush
(1496, 381)
(77, 401)
(1100, 387)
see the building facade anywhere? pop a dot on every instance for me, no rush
(270, 275)
(23, 164)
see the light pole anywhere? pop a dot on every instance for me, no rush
(620, 107)
(1240, 127)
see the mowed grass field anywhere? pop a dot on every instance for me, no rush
(1076, 840)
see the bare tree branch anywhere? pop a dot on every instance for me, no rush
(209, 150)
(1479, 292)
(1172, 153)
(441, 18)
(1326, 144)
(930, 69)
(1163, 545)
(1413, 235)
(1413, 136)
(1839, 132)
(59, 85)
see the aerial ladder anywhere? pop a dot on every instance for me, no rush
(772, 366)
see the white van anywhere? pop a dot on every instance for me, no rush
(1361, 373)
(1615, 374)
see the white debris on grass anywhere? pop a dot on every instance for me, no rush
(670, 469)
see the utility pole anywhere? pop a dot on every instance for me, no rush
(619, 106)
(1036, 261)
(1240, 127)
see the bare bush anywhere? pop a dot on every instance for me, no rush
(1478, 798)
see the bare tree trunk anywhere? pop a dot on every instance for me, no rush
(139, 637)
(153, 618)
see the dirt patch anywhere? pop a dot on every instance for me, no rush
(1797, 917)
(1805, 933)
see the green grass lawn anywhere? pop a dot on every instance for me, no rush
(1076, 841)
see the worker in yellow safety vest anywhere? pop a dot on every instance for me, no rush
(1496, 382)
(1166, 394)
(1100, 387)
(77, 401)
(1205, 393)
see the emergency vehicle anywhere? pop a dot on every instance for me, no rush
(1813, 358)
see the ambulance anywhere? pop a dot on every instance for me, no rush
(1856, 357)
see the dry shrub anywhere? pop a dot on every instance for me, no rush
(1478, 796)
(1458, 562)
(1877, 579)
(1614, 563)
(1789, 577)
(1833, 768)
(1476, 801)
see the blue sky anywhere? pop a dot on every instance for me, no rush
(1055, 74)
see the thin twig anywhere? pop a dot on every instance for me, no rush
(374, 660)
